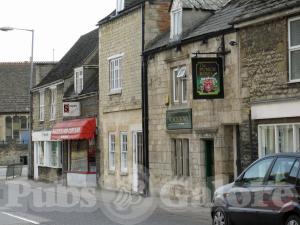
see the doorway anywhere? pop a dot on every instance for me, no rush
(210, 167)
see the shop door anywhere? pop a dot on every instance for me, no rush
(35, 161)
(210, 167)
(137, 162)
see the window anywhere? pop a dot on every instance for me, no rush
(79, 155)
(8, 127)
(53, 103)
(120, 5)
(256, 174)
(49, 154)
(55, 155)
(294, 49)
(41, 154)
(180, 157)
(124, 150)
(78, 80)
(115, 74)
(176, 23)
(284, 171)
(112, 151)
(179, 85)
(42, 105)
(278, 138)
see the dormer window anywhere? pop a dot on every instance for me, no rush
(120, 5)
(78, 80)
(176, 23)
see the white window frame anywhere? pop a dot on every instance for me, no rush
(180, 88)
(42, 105)
(296, 137)
(111, 152)
(124, 152)
(53, 103)
(115, 73)
(176, 22)
(78, 80)
(292, 49)
(120, 5)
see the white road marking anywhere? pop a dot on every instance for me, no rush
(20, 218)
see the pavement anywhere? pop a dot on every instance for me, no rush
(25, 201)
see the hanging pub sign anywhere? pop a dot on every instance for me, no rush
(207, 78)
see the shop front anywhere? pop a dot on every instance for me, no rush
(79, 141)
(47, 157)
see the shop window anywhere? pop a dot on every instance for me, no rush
(278, 138)
(41, 154)
(55, 155)
(112, 151)
(294, 49)
(42, 105)
(179, 85)
(53, 103)
(79, 156)
(180, 157)
(115, 74)
(124, 150)
(8, 127)
(78, 80)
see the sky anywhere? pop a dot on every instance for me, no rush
(57, 25)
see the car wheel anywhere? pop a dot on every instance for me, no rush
(220, 218)
(293, 220)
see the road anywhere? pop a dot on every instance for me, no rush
(26, 202)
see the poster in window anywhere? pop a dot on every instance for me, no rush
(207, 78)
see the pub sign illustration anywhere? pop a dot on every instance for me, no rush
(207, 78)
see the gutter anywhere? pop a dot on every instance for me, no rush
(47, 85)
(190, 40)
(91, 94)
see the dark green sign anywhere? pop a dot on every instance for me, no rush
(179, 119)
(207, 78)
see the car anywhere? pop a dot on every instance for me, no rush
(267, 192)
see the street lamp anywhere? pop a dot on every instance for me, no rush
(30, 87)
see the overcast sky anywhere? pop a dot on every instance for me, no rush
(57, 23)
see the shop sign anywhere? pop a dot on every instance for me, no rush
(179, 119)
(71, 109)
(207, 78)
(41, 136)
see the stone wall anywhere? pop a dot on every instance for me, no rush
(10, 153)
(212, 120)
(264, 75)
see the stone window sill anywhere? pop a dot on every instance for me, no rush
(111, 172)
(124, 174)
(115, 92)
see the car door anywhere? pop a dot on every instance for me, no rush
(242, 199)
(280, 191)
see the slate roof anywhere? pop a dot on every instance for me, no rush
(222, 20)
(75, 57)
(90, 86)
(257, 8)
(129, 4)
(218, 22)
(14, 99)
(204, 4)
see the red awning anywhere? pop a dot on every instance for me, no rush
(74, 129)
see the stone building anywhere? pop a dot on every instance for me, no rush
(194, 101)
(51, 154)
(269, 47)
(14, 108)
(123, 35)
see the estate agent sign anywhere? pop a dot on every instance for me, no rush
(207, 78)
(179, 119)
(71, 109)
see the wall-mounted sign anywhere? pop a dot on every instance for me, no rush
(71, 109)
(179, 119)
(41, 136)
(207, 78)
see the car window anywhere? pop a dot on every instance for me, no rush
(284, 171)
(255, 174)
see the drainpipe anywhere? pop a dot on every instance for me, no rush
(250, 137)
(144, 71)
